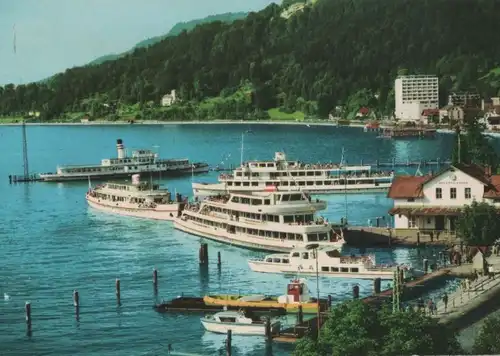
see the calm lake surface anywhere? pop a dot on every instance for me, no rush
(52, 243)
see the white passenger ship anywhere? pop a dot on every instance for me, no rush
(283, 175)
(330, 263)
(139, 199)
(141, 161)
(264, 221)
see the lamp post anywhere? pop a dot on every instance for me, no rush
(314, 247)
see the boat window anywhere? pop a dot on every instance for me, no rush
(276, 260)
(267, 201)
(301, 174)
(285, 197)
(293, 183)
(355, 269)
(296, 197)
(319, 182)
(344, 269)
(270, 164)
(235, 200)
(288, 219)
(333, 253)
(318, 173)
(285, 260)
(227, 319)
(323, 236)
(299, 237)
(305, 255)
(328, 182)
(229, 183)
(255, 184)
(302, 183)
(269, 260)
(310, 183)
(246, 184)
(334, 269)
(284, 183)
(310, 173)
(296, 254)
(312, 237)
(324, 269)
(238, 174)
(237, 184)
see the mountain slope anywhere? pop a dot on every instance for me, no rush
(317, 59)
(174, 31)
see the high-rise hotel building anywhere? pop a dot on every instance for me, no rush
(414, 94)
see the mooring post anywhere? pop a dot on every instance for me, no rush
(355, 291)
(300, 315)
(228, 343)
(76, 299)
(155, 279)
(27, 309)
(401, 276)
(10, 179)
(118, 296)
(269, 336)
(329, 301)
(218, 259)
(418, 238)
(377, 285)
(426, 265)
(203, 254)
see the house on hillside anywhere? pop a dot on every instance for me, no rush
(433, 202)
(169, 99)
(428, 115)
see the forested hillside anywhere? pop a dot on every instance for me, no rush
(337, 52)
(174, 31)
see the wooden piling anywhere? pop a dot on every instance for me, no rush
(218, 259)
(426, 265)
(76, 299)
(355, 291)
(269, 336)
(155, 278)
(376, 285)
(300, 315)
(401, 276)
(329, 301)
(118, 294)
(27, 309)
(203, 254)
(228, 342)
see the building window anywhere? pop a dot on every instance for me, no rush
(467, 193)
(453, 193)
(439, 193)
(412, 222)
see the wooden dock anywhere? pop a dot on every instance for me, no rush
(24, 179)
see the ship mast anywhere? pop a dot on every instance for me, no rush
(242, 146)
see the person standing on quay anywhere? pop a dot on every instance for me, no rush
(445, 301)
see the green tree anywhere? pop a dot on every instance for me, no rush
(473, 147)
(479, 224)
(357, 329)
(486, 342)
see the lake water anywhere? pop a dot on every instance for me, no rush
(52, 243)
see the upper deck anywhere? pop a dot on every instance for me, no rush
(261, 202)
(142, 189)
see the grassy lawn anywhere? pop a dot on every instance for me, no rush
(10, 119)
(276, 114)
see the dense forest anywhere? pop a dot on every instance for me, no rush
(334, 52)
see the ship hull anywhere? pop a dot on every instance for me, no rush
(123, 175)
(164, 212)
(201, 189)
(238, 328)
(266, 267)
(240, 240)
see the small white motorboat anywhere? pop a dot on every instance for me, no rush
(238, 323)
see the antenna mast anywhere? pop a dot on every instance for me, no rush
(25, 152)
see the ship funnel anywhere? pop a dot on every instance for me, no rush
(136, 179)
(120, 148)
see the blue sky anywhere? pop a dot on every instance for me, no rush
(53, 35)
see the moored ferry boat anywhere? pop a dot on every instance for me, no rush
(263, 221)
(141, 161)
(283, 175)
(238, 322)
(139, 199)
(297, 294)
(330, 263)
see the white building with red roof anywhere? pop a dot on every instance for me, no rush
(434, 202)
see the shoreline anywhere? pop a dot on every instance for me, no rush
(197, 122)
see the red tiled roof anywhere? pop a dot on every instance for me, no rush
(493, 189)
(430, 112)
(425, 211)
(364, 110)
(404, 187)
